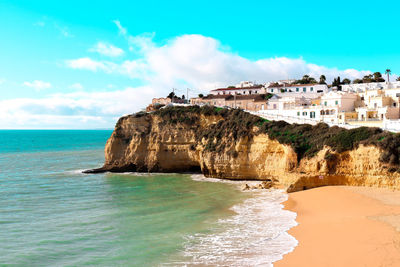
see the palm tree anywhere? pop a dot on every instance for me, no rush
(388, 72)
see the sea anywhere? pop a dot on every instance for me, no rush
(51, 214)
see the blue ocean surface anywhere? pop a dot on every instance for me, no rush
(53, 215)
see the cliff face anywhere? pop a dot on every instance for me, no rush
(150, 144)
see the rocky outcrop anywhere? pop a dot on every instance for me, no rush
(149, 143)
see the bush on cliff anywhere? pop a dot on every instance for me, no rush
(305, 139)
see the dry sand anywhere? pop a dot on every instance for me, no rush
(345, 226)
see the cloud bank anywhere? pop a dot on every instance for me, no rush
(188, 61)
(108, 50)
(38, 85)
(78, 110)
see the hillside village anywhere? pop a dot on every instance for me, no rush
(371, 101)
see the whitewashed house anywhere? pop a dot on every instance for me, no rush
(249, 90)
(315, 89)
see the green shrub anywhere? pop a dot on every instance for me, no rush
(305, 139)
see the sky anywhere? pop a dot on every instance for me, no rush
(83, 64)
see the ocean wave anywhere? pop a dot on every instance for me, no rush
(255, 236)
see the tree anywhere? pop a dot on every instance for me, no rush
(171, 95)
(378, 77)
(357, 81)
(322, 79)
(368, 78)
(336, 82)
(346, 81)
(201, 95)
(183, 96)
(306, 79)
(398, 79)
(388, 72)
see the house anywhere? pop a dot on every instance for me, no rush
(247, 102)
(215, 100)
(335, 103)
(363, 87)
(248, 90)
(379, 104)
(297, 88)
(161, 101)
(283, 103)
(166, 101)
(342, 101)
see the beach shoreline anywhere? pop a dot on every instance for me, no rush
(345, 226)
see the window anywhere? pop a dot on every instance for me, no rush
(311, 89)
(255, 92)
(297, 89)
(326, 103)
(336, 102)
(274, 106)
(298, 113)
(304, 89)
(272, 90)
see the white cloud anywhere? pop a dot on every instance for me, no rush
(141, 43)
(77, 86)
(107, 49)
(73, 110)
(131, 68)
(86, 63)
(121, 29)
(189, 61)
(38, 85)
(202, 63)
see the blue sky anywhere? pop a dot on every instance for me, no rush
(75, 64)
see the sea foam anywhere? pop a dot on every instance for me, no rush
(256, 235)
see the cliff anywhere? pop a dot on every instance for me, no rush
(232, 144)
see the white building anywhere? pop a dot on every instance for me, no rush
(250, 90)
(363, 87)
(244, 84)
(331, 107)
(343, 101)
(297, 88)
(284, 103)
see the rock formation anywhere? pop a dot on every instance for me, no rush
(157, 142)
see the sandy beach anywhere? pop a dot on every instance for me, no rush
(345, 226)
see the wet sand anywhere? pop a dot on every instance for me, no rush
(345, 226)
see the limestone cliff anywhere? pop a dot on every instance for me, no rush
(193, 142)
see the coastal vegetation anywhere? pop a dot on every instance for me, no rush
(306, 140)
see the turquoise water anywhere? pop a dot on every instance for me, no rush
(52, 215)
